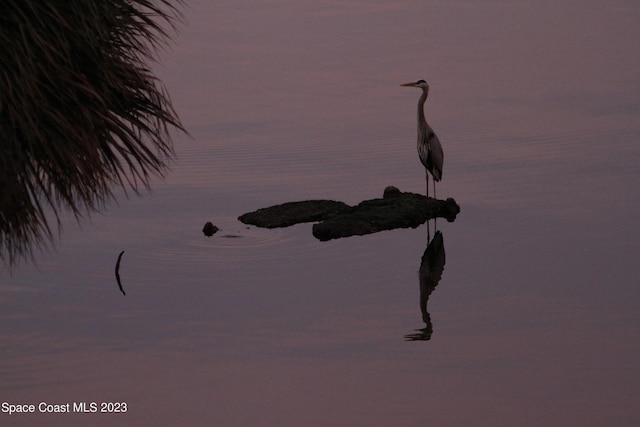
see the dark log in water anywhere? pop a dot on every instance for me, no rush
(292, 213)
(337, 219)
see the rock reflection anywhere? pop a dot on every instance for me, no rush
(430, 273)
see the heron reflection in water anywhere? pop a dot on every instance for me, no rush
(430, 273)
(429, 147)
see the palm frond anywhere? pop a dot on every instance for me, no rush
(80, 111)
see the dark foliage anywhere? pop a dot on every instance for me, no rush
(80, 111)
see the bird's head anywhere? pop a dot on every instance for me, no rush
(420, 83)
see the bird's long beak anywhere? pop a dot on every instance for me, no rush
(408, 84)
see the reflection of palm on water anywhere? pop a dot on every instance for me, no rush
(430, 273)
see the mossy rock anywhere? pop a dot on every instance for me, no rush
(337, 219)
(403, 210)
(292, 213)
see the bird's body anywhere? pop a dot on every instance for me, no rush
(429, 147)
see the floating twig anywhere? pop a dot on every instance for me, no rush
(118, 273)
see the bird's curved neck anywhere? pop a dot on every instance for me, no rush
(423, 98)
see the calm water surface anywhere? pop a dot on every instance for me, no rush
(535, 319)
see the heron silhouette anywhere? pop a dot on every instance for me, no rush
(429, 147)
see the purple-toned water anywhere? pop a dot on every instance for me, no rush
(535, 320)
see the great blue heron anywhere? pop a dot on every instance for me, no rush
(429, 148)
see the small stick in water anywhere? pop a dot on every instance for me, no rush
(118, 273)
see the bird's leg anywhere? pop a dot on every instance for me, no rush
(426, 175)
(434, 188)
